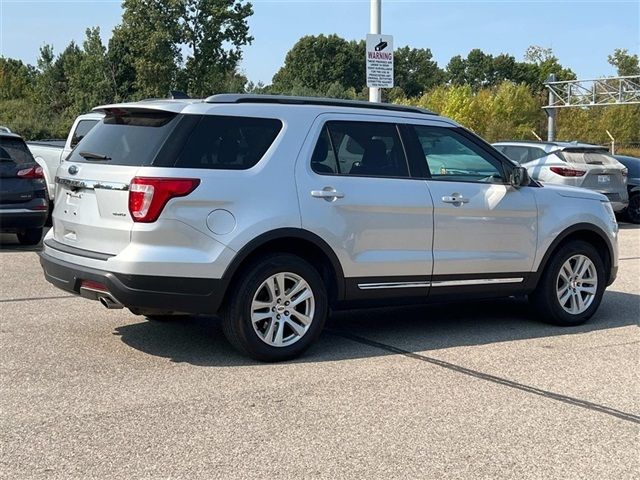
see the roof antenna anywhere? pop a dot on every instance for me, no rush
(178, 95)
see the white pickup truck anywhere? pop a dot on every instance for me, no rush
(51, 153)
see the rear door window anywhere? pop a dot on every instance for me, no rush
(229, 143)
(126, 137)
(369, 149)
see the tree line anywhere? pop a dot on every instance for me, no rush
(196, 46)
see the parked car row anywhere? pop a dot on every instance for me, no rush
(582, 165)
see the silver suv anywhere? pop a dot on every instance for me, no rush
(273, 210)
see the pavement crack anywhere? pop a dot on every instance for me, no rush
(35, 298)
(629, 417)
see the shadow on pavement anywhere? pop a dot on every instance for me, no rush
(9, 243)
(199, 340)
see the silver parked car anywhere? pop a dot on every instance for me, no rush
(273, 210)
(574, 164)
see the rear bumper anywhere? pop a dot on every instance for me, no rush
(20, 219)
(140, 292)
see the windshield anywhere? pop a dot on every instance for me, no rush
(125, 137)
(589, 157)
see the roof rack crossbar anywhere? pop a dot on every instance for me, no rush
(292, 100)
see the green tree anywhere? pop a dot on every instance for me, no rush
(155, 34)
(120, 60)
(625, 63)
(16, 79)
(318, 62)
(547, 63)
(214, 31)
(91, 81)
(457, 70)
(415, 71)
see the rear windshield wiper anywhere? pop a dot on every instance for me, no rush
(93, 156)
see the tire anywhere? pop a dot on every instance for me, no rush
(31, 236)
(633, 210)
(257, 295)
(546, 299)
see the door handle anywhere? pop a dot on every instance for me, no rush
(455, 198)
(328, 193)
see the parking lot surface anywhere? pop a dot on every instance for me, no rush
(479, 390)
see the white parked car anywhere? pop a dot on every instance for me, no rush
(572, 164)
(271, 210)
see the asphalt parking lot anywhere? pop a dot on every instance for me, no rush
(459, 391)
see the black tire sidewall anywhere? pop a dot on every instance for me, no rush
(238, 311)
(547, 298)
(31, 236)
(633, 217)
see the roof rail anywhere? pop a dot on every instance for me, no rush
(292, 100)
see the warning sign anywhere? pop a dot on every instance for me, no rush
(379, 61)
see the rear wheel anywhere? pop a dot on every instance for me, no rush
(31, 236)
(633, 210)
(572, 285)
(277, 309)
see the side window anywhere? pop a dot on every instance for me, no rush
(83, 127)
(229, 143)
(451, 156)
(536, 153)
(517, 154)
(366, 148)
(323, 160)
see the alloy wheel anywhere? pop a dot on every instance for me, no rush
(282, 309)
(577, 284)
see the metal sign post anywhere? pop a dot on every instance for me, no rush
(375, 26)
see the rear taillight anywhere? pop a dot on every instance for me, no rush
(567, 172)
(149, 195)
(31, 172)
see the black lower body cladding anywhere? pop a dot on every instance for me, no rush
(140, 292)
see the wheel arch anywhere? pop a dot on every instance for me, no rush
(303, 243)
(580, 231)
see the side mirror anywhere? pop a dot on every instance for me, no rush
(519, 177)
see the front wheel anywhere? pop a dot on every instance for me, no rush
(277, 309)
(571, 288)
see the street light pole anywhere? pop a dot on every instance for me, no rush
(375, 26)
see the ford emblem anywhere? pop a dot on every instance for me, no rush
(73, 170)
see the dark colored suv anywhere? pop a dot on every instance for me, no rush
(24, 203)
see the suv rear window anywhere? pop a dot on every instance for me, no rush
(590, 157)
(126, 137)
(14, 150)
(228, 143)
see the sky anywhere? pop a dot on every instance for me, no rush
(581, 33)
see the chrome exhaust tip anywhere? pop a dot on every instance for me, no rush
(110, 303)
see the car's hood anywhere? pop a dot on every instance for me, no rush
(575, 192)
